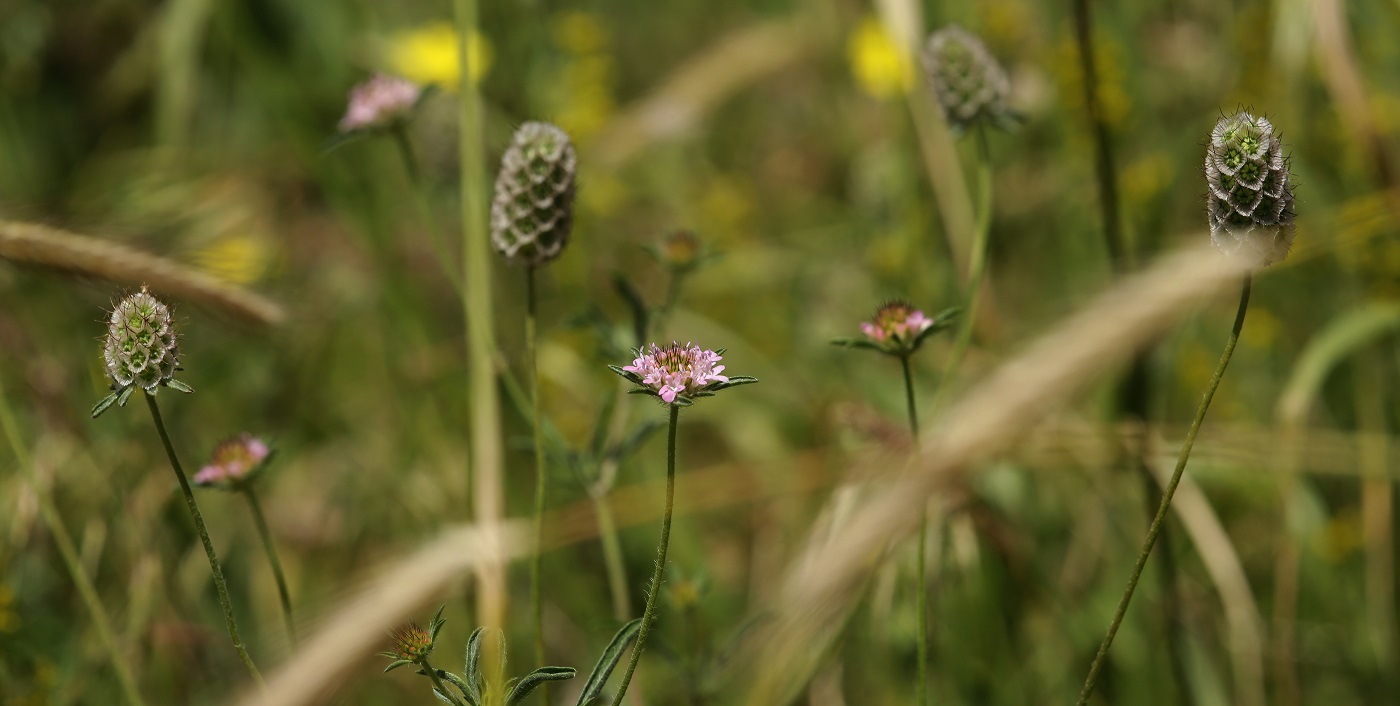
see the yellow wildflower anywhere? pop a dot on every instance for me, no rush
(236, 259)
(881, 69)
(428, 55)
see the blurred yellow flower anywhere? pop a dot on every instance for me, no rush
(881, 69)
(585, 97)
(1144, 178)
(1113, 96)
(428, 55)
(236, 259)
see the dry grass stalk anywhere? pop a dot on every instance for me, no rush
(33, 244)
(986, 420)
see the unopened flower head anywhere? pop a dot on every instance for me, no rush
(680, 250)
(1250, 205)
(411, 642)
(141, 347)
(896, 322)
(533, 209)
(379, 102)
(234, 461)
(967, 80)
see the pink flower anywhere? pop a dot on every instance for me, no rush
(677, 370)
(233, 460)
(896, 321)
(379, 101)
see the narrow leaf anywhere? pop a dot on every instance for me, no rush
(125, 395)
(104, 404)
(608, 661)
(471, 673)
(528, 682)
(179, 386)
(397, 663)
(635, 303)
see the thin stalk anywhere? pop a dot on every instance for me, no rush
(484, 405)
(649, 616)
(420, 194)
(282, 594)
(977, 265)
(613, 564)
(921, 595)
(1161, 516)
(532, 351)
(214, 567)
(69, 552)
(437, 682)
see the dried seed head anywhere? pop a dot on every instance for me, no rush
(141, 347)
(532, 212)
(967, 80)
(1250, 205)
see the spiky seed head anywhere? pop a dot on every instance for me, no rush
(533, 209)
(141, 347)
(968, 81)
(1250, 204)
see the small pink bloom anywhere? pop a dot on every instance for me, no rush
(675, 370)
(233, 460)
(897, 321)
(379, 101)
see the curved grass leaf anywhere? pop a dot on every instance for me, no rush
(608, 661)
(528, 682)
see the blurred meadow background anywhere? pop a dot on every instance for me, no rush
(781, 134)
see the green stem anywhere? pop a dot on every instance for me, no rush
(420, 194)
(271, 550)
(921, 594)
(977, 265)
(1167, 494)
(66, 549)
(649, 616)
(214, 567)
(532, 351)
(613, 563)
(437, 681)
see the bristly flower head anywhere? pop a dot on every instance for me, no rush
(234, 462)
(969, 83)
(1251, 194)
(898, 328)
(680, 250)
(141, 349)
(678, 373)
(379, 102)
(412, 643)
(533, 209)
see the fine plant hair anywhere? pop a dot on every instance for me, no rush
(42, 246)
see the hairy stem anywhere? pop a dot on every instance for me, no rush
(214, 567)
(532, 351)
(271, 550)
(69, 552)
(921, 594)
(437, 682)
(649, 616)
(1161, 516)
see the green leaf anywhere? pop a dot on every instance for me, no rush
(865, 343)
(635, 303)
(608, 661)
(471, 671)
(444, 697)
(125, 395)
(642, 391)
(105, 404)
(396, 663)
(720, 351)
(179, 386)
(528, 682)
(630, 376)
(461, 684)
(635, 439)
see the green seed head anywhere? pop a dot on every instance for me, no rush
(1250, 205)
(141, 347)
(532, 212)
(967, 80)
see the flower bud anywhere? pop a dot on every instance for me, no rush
(532, 212)
(1250, 205)
(380, 102)
(967, 80)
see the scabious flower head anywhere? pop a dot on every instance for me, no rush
(533, 209)
(379, 102)
(141, 347)
(234, 461)
(1250, 205)
(411, 642)
(966, 79)
(896, 321)
(677, 373)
